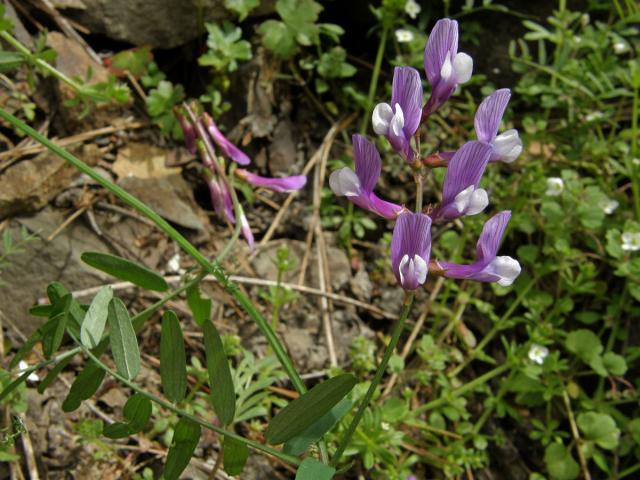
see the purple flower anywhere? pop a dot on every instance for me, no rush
(188, 131)
(221, 199)
(284, 184)
(410, 249)
(400, 120)
(460, 192)
(506, 146)
(358, 186)
(487, 267)
(228, 148)
(444, 65)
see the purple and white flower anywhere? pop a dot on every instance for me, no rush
(400, 120)
(411, 249)
(506, 146)
(446, 68)
(460, 193)
(228, 148)
(282, 184)
(358, 186)
(488, 267)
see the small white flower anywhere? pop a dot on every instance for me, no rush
(635, 161)
(412, 8)
(619, 47)
(577, 39)
(555, 186)
(173, 265)
(537, 353)
(608, 205)
(404, 35)
(385, 426)
(597, 115)
(33, 376)
(630, 241)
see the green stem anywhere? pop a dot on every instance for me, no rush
(467, 387)
(395, 336)
(211, 267)
(178, 411)
(373, 86)
(23, 376)
(631, 168)
(6, 36)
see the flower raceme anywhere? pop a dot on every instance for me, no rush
(488, 267)
(445, 67)
(358, 186)
(400, 120)
(462, 195)
(220, 188)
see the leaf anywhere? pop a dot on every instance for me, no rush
(614, 363)
(125, 270)
(124, 344)
(226, 47)
(301, 413)
(137, 411)
(96, 317)
(173, 363)
(84, 386)
(223, 395)
(241, 7)
(53, 374)
(599, 428)
(278, 38)
(200, 306)
(235, 456)
(10, 61)
(560, 463)
(584, 344)
(185, 440)
(299, 444)
(313, 469)
(51, 340)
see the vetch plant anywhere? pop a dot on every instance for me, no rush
(107, 324)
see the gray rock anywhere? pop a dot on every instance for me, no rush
(169, 196)
(158, 23)
(361, 285)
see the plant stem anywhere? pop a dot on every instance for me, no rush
(6, 36)
(373, 86)
(463, 389)
(13, 385)
(395, 336)
(576, 436)
(178, 411)
(211, 267)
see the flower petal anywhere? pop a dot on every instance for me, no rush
(345, 183)
(491, 236)
(228, 148)
(368, 163)
(407, 92)
(465, 169)
(442, 41)
(489, 114)
(282, 184)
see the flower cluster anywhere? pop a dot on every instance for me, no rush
(399, 121)
(220, 186)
